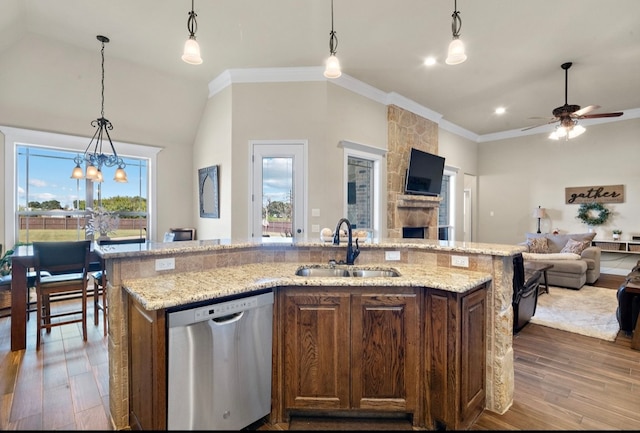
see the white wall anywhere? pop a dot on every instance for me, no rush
(518, 175)
(462, 154)
(49, 86)
(319, 112)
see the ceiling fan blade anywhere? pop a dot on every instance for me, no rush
(585, 110)
(540, 124)
(551, 119)
(595, 116)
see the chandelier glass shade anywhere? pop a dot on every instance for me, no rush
(95, 159)
(456, 53)
(332, 69)
(191, 52)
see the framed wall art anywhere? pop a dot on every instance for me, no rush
(209, 195)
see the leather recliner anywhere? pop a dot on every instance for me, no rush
(628, 303)
(525, 294)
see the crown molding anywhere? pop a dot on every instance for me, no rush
(315, 73)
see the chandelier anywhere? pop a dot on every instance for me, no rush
(97, 159)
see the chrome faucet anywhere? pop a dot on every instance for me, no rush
(351, 252)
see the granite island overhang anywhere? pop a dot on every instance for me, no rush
(250, 265)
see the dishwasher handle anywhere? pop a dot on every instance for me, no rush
(230, 318)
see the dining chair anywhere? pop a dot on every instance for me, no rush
(100, 283)
(68, 264)
(183, 234)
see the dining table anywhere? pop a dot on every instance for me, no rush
(22, 261)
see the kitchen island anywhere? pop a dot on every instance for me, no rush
(216, 268)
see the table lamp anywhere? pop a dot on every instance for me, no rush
(539, 213)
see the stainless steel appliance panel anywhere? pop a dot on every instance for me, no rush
(220, 364)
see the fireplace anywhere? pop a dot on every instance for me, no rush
(415, 232)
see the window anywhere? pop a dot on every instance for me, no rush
(44, 203)
(360, 192)
(446, 217)
(362, 187)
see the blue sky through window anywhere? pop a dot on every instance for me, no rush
(49, 178)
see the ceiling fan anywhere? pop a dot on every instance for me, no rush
(568, 115)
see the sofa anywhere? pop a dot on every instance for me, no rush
(575, 262)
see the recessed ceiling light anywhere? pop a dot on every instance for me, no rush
(430, 61)
(500, 110)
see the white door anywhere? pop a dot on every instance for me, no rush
(278, 190)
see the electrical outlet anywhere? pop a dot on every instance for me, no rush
(315, 228)
(392, 255)
(462, 261)
(165, 264)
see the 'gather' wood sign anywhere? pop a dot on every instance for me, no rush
(594, 194)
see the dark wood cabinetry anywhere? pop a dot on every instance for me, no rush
(350, 349)
(147, 368)
(456, 357)
(339, 350)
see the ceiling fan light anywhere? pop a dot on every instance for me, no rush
(456, 54)
(332, 69)
(576, 130)
(192, 52)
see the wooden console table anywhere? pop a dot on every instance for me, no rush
(532, 266)
(612, 246)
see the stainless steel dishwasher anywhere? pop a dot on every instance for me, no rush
(219, 364)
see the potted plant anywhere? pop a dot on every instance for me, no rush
(102, 222)
(616, 234)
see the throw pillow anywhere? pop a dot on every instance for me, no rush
(537, 245)
(576, 247)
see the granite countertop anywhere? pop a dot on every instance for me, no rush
(174, 289)
(166, 248)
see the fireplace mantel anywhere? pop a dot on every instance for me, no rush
(417, 201)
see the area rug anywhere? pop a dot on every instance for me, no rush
(590, 311)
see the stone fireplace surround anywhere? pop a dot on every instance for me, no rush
(407, 130)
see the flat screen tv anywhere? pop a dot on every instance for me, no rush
(424, 175)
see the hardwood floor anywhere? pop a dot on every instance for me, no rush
(563, 381)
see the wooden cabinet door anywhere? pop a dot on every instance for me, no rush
(455, 341)
(147, 368)
(472, 353)
(384, 350)
(316, 349)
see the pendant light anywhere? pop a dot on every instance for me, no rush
(191, 52)
(456, 53)
(332, 69)
(97, 158)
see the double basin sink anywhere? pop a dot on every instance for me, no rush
(312, 272)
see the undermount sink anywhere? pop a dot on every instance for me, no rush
(322, 272)
(339, 272)
(374, 273)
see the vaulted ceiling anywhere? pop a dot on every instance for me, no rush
(514, 47)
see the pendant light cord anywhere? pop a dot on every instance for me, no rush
(333, 39)
(456, 22)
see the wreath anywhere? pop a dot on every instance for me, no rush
(585, 214)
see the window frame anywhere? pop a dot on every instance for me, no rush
(375, 155)
(14, 137)
(449, 201)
